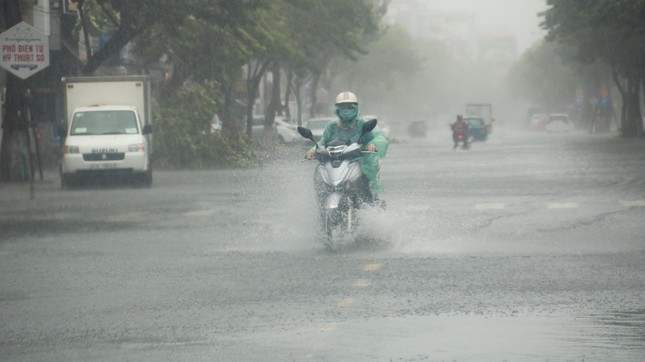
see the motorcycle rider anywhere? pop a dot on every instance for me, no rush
(460, 126)
(348, 128)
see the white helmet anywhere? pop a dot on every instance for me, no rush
(346, 97)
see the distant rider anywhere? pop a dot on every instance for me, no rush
(348, 128)
(460, 126)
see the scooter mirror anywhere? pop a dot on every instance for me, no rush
(369, 126)
(306, 133)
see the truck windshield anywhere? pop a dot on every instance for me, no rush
(104, 122)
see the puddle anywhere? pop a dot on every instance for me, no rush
(609, 337)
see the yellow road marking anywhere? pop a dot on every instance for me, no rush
(372, 267)
(328, 327)
(361, 283)
(562, 205)
(633, 203)
(347, 302)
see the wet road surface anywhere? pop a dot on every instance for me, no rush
(527, 247)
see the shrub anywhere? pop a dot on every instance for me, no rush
(182, 137)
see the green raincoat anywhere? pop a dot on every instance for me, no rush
(369, 161)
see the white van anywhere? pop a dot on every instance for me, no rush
(108, 133)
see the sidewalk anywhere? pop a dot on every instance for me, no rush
(17, 190)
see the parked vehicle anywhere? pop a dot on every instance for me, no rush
(339, 173)
(538, 121)
(109, 132)
(287, 132)
(558, 122)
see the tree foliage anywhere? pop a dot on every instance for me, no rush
(208, 44)
(542, 77)
(613, 32)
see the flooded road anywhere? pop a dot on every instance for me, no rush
(528, 247)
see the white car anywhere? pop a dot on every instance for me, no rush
(558, 122)
(287, 132)
(537, 121)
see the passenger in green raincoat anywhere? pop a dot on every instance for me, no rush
(348, 128)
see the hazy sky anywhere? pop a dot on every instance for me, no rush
(516, 16)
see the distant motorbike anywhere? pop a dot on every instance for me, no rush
(459, 136)
(340, 181)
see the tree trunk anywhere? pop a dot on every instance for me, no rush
(273, 107)
(623, 94)
(632, 125)
(251, 92)
(13, 161)
(228, 124)
(15, 148)
(287, 95)
(297, 91)
(641, 123)
(313, 94)
(253, 79)
(86, 34)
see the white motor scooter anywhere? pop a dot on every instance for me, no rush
(339, 182)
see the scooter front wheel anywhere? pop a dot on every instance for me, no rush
(331, 229)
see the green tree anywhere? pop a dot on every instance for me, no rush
(613, 32)
(543, 78)
(550, 76)
(329, 30)
(392, 62)
(202, 44)
(205, 43)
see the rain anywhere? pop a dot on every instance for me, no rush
(369, 180)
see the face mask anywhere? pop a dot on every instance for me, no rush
(347, 114)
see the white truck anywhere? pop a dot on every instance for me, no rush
(109, 126)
